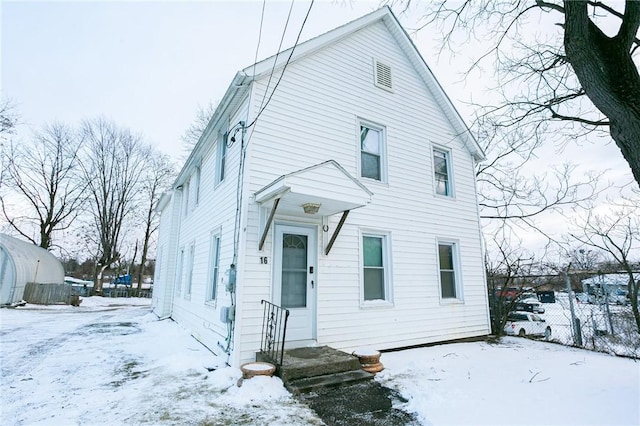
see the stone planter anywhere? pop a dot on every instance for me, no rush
(252, 369)
(369, 360)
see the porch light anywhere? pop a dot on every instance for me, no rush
(311, 208)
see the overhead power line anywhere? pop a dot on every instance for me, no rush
(284, 67)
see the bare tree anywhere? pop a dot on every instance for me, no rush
(44, 177)
(511, 195)
(507, 264)
(585, 259)
(8, 122)
(575, 76)
(8, 117)
(158, 176)
(113, 164)
(196, 129)
(616, 233)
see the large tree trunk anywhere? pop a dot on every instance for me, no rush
(607, 73)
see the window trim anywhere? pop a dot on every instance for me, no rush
(448, 158)
(457, 270)
(387, 268)
(215, 244)
(383, 149)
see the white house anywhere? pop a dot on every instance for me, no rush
(347, 196)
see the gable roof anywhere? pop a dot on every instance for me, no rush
(242, 80)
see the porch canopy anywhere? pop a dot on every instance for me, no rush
(320, 190)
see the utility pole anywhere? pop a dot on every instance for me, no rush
(575, 321)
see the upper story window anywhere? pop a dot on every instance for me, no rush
(187, 291)
(372, 150)
(449, 276)
(185, 199)
(196, 195)
(222, 157)
(375, 267)
(442, 172)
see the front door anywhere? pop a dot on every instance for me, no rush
(295, 279)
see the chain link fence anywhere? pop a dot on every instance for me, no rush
(598, 318)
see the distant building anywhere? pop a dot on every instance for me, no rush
(615, 286)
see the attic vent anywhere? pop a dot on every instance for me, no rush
(383, 75)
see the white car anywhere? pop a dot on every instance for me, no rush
(520, 323)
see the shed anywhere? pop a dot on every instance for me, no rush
(21, 263)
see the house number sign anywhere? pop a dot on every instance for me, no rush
(264, 260)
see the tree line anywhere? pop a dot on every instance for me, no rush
(89, 190)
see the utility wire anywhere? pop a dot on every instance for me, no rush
(284, 31)
(255, 59)
(285, 66)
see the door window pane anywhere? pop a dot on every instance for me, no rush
(294, 271)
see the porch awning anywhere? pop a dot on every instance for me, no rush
(327, 185)
(316, 191)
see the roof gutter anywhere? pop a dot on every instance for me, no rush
(240, 82)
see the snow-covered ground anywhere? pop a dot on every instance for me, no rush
(110, 361)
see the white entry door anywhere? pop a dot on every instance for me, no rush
(295, 279)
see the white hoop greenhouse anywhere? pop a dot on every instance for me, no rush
(22, 263)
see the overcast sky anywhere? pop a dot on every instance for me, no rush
(148, 65)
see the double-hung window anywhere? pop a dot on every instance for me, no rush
(375, 267)
(449, 280)
(214, 268)
(178, 278)
(196, 195)
(442, 172)
(187, 291)
(372, 148)
(222, 157)
(185, 195)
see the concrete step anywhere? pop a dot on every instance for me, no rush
(307, 362)
(326, 381)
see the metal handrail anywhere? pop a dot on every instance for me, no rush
(274, 330)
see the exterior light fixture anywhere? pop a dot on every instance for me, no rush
(311, 208)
